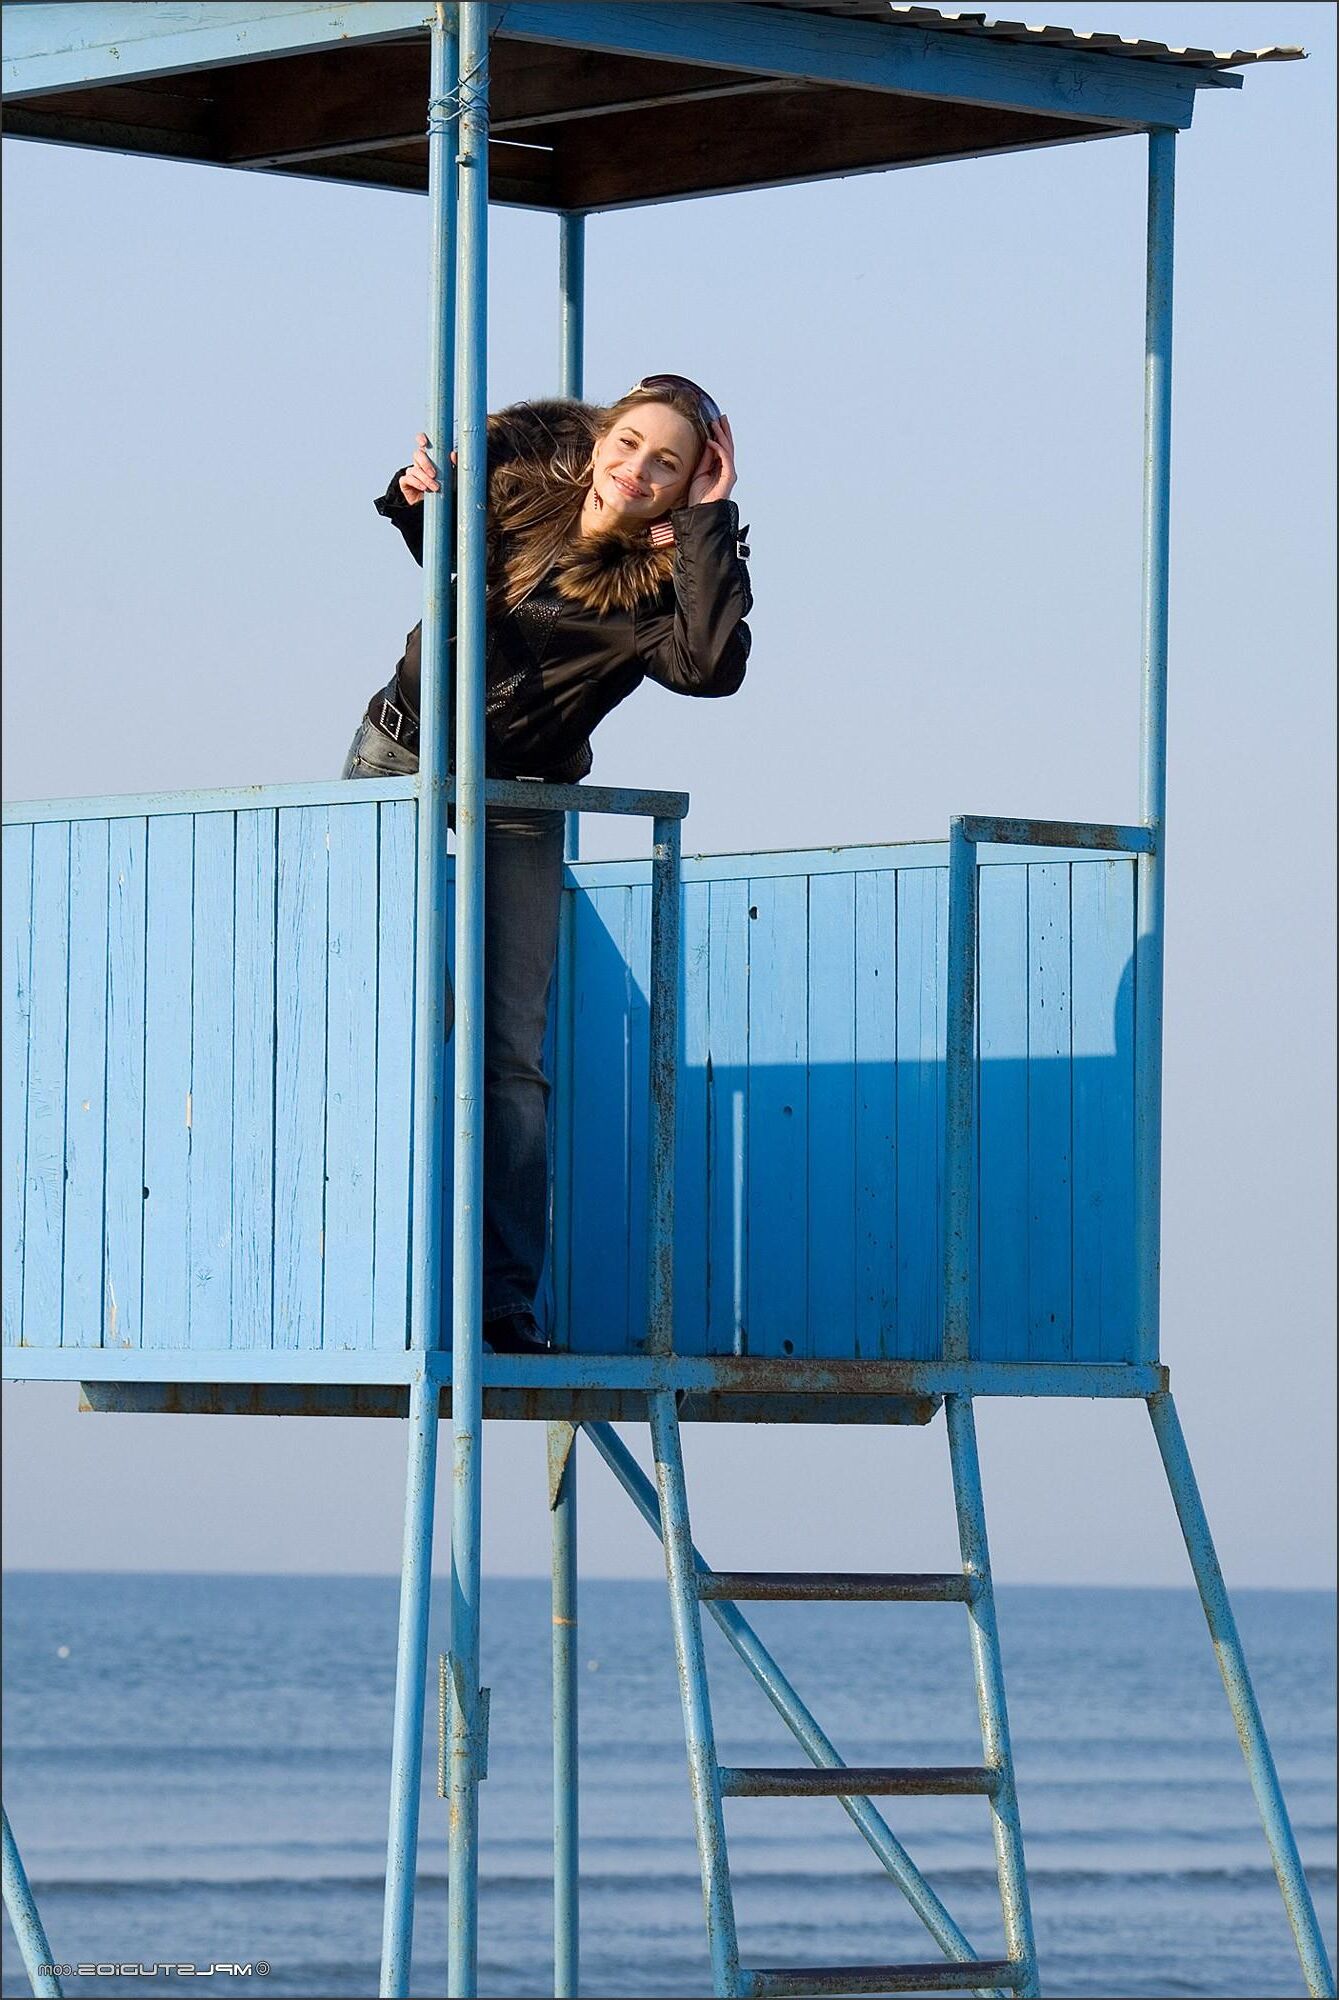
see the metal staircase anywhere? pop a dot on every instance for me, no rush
(692, 1584)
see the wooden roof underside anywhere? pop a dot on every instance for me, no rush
(572, 128)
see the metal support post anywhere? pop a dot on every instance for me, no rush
(571, 370)
(466, 1746)
(997, 1754)
(676, 1535)
(1153, 737)
(1241, 1695)
(959, 1086)
(430, 1067)
(22, 1911)
(664, 1037)
(566, 1832)
(397, 1939)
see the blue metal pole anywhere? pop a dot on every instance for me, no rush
(562, 1439)
(969, 1501)
(430, 1030)
(1241, 1695)
(959, 1078)
(572, 368)
(664, 1035)
(817, 1745)
(397, 1937)
(566, 1859)
(676, 1536)
(467, 1715)
(1153, 736)
(23, 1916)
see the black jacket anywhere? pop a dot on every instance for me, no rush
(595, 627)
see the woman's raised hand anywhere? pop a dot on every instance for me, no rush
(715, 476)
(420, 476)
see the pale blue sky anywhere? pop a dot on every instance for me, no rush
(934, 378)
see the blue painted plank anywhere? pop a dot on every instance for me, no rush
(54, 44)
(231, 798)
(870, 55)
(692, 1125)
(350, 1112)
(832, 984)
(1050, 1075)
(727, 1099)
(600, 1141)
(803, 861)
(170, 884)
(876, 1319)
(777, 1317)
(212, 1044)
(1002, 1317)
(397, 848)
(1102, 897)
(16, 915)
(253, 1048)
(86, 1088)
(300, 1057)
(637, 955)
(44, 1194)
(920, 1061)
(127, 854)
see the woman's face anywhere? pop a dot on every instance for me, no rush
(642, 467)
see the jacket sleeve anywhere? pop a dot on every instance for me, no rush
(392, 506)
(701, 647)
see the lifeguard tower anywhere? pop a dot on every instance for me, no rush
(841, 1137)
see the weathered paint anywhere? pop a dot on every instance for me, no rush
(571, 373)
(566, 1816)
(410, 1686)
(430, 1073)
(878, 1387)
(680, 1564)
(1241, 1696)
(762, 1982)
(815, 1743)
(780, 43)
(857, 1781)
(467, 1259)
(21, 1908)
(1153, 735)
(833, 1587)
(1011, 1867)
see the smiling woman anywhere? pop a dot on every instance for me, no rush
(614, 554)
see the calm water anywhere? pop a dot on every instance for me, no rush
(204, 1775)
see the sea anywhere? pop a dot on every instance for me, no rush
(196, 1769)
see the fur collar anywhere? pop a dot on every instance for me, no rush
(538, 456)
(613, 572)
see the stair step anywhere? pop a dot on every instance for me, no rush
(943, 1975)
(846, 1587)
(854, 1781)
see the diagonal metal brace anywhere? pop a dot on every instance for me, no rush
(23, 1916)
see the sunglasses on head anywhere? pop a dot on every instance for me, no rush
(711, 410)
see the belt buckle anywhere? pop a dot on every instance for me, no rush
(388, 709)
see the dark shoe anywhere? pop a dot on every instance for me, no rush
(514, 1333)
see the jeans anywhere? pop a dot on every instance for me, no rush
(523, 863)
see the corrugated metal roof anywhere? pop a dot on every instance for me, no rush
(1057, 38)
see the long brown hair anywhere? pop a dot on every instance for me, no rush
(534, 505)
